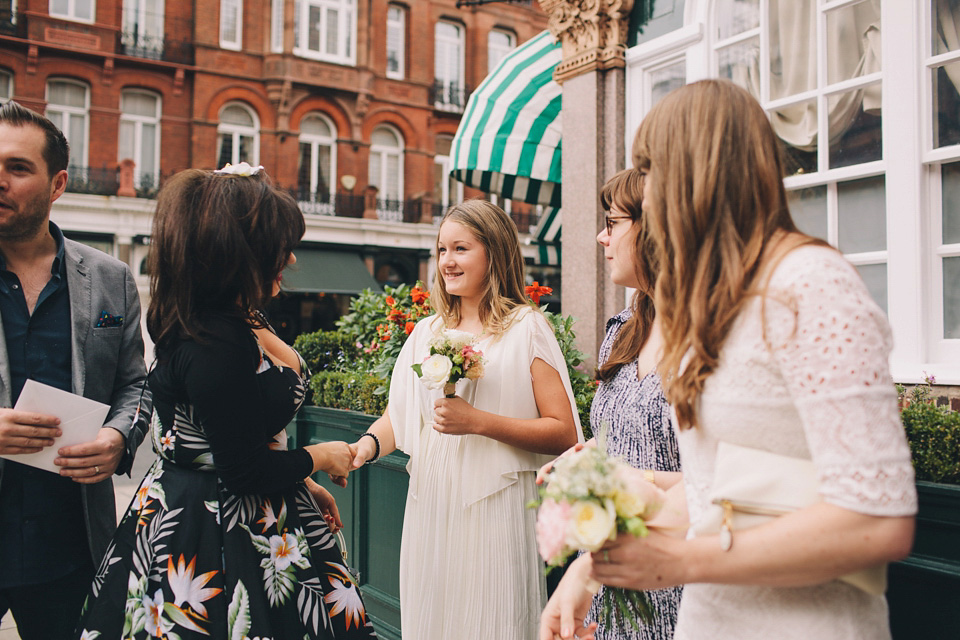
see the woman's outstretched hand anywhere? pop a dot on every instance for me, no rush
(564, 614)
(333, 458)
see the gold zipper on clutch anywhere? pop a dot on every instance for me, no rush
(729, 507)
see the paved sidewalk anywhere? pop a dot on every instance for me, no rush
(125, 488)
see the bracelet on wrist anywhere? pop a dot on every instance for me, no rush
(376, 441)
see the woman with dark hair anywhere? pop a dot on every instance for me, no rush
(629, 413)
(776, 362)
(468, 555)
(227, 536)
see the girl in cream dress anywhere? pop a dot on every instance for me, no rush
(468, 556)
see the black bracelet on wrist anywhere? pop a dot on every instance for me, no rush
(376, 440)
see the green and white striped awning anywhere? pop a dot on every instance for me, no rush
(508, 142)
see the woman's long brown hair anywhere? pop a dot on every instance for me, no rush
(217, 245)
(624, 192)
(718, 211)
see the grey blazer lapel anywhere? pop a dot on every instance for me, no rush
(80, 316)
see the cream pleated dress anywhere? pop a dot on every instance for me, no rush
(469, 567)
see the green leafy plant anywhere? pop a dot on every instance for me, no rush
(933, 432)
(352, 366)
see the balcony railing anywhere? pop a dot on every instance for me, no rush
(99, 181)
(135, 39)
(317, 203)
(390, 210)
(448, 96)
(13, 23)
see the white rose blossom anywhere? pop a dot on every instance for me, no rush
(435, 371)
(593, 524)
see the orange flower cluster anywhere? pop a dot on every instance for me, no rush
(397, 315)
(535, 291)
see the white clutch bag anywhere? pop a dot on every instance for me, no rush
(751, 486)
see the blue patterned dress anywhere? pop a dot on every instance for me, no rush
(635, 417)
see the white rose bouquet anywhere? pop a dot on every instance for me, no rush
(453, 355)
(586, 500)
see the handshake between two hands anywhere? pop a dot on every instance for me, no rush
(338, 458)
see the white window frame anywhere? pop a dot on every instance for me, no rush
(397, 24)
(496, 52)
(346, 53)
(236, 131)
(276, 25)
(138, 121)
(442, 68)
(316, 141)
(236, 43)
(135, 16)
(66, 111)
(446, 198)
(910, 164)
(71, 13)
(9, 76)
(381, 180)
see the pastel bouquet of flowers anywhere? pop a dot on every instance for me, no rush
(586, 500)
(453, 356)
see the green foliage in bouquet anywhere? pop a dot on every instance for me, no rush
(934, 434)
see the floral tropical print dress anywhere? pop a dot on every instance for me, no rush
(223, 539)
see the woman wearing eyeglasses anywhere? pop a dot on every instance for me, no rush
(629, 414)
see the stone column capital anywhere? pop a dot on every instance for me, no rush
(592, 34)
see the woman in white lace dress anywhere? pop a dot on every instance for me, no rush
(771, 341)
(468, 556)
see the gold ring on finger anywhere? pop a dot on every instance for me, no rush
(96, 468)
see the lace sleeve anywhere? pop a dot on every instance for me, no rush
(832, 344)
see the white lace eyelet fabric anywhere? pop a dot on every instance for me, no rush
(804, 373)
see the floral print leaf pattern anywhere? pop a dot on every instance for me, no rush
(108, 560)
(310, 604)
(187, 589)
(145, 557)
(237, 509)
(238, 614)
(317, 532)
(345, 596)
(181, 617)
(192, 437)
(285, 553)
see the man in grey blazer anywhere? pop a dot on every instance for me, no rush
(71, 319)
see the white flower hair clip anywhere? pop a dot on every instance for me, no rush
(242, 169)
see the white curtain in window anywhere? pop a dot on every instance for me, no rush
(853, 51)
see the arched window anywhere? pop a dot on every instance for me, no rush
(317, 172)
(68, 105)
(386, 171)
(499, 44)
(139, 137)
(239, 135)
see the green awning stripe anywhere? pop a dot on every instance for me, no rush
(548, 228)
(509, 139)
(517, 68)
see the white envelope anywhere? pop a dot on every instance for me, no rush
(80, 421)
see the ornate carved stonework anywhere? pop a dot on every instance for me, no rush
(592, 33)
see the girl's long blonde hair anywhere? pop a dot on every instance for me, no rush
(504, 291)
(718, 212)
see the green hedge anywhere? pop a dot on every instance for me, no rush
(326, 350)
(342, 390)
(934, 436)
